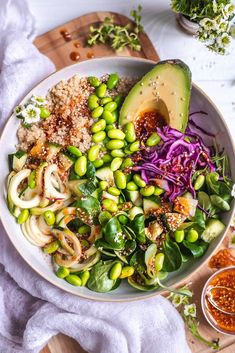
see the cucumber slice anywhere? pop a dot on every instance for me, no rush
(135, 197)
(151, 204)
(17, 160)
(214, 228)
(106, 174)
(65, 162)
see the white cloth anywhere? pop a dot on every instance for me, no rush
(31, 309)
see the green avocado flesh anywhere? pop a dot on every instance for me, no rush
(165, 90)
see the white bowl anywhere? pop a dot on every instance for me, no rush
(131, 67)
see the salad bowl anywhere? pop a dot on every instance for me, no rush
(213, 123)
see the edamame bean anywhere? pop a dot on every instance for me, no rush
(85, 275)
(94, 81)
(153, 140)
(104, 217)
(192, 235)
(120, 179)
(114, 144)
(32, 181)
(179, 235)
(114, 191)
(131, 186)
(23, 216)
(49, 217)
(74, 150)
(112, 81)
(119, 99)
(74, 280)
(139, 181)
(159, 259)
(98, 163)
(98, 126)
(199, 182)
(134, 146)
(106, 158)
(80, 166)
(101, 90)
(158, 191)
(103, 184)
(84, 229)
(127, 163)
(116, 134)
(110, 107)
(123, 219)
(117, 153)
(97, 112)
(147, 190)
(116, 164)
(52, 247)
(115, 115)
(109, 117)
(105, 100)
(109, 127)
(44, 113)
(99, 136)
(92, 154)
(127, 271)
(62, 272)
(130, 132)
(93, 102)
(109, 205)
(115, 271)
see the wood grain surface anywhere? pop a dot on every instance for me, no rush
(70, 40)
(58, 45)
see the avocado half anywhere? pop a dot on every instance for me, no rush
(165, 89)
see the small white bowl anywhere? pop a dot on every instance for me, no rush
(207, 315)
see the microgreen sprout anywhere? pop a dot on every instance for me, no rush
(118, 37)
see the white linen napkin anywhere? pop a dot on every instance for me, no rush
(31, 309)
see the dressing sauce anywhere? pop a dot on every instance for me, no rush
(75, 56)
(66, 35)
(147, 123)
(224, 298)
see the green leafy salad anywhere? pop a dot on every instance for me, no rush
(144, 198)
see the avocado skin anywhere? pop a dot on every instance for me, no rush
(175, 93)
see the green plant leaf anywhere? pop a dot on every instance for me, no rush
(173, 259)
(197, 249)
(138, 226)
(99, 280)
(113, 234)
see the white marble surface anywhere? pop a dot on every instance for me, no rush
(214, 73)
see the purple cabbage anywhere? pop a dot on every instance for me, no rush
(172, 163)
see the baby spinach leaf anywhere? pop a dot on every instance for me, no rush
(197, 249)
(90, 170)
(89, 187)
(212, 182)
(89, 203)
(225, 191)
(99, 280)
(173, 259)
(138, 226)
(204, 200)
(200, 218)
(113, 234)
(218, 202)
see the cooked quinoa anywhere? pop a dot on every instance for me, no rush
(70, 117)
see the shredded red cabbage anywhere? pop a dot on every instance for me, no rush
(172, 163)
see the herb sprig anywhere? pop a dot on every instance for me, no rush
(118, 37)
(188, 311)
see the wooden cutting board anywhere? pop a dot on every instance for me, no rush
(66, 45)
